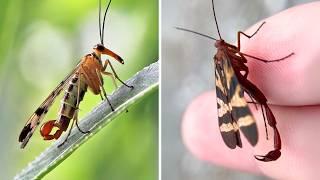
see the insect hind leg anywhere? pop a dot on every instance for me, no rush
(268, 117)
(264, 120)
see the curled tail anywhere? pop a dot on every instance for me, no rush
(276, 153)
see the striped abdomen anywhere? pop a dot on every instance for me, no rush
(69, 101)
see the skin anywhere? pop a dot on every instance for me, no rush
(292, 88)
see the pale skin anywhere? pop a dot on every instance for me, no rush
(292, 87)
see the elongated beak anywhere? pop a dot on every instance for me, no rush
(112, 54)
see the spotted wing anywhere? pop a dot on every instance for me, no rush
(42, 110)
(233, 111)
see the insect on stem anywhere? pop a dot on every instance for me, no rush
(87, 75)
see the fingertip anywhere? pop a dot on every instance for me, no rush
(197, 128)
(202, 137)
(288, 81)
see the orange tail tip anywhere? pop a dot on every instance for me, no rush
(46, 130)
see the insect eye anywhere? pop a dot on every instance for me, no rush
(99, 47)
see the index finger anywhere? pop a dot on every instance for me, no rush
(295, 80)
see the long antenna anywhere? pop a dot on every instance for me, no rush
(104, 20)
(215, 19)
(100, 22)
(194, 32)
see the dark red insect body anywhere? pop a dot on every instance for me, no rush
(231, 74)
(237, 59)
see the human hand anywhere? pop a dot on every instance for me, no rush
(292, 88)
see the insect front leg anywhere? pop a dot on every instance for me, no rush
(248, 36)
(103, 90)
(256, 58)
(115, 74)
(111, 75)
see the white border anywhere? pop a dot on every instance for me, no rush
(160, 91)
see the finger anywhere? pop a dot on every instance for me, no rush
(294, 81)
(298, 128)
(299, 131)
(202, 137)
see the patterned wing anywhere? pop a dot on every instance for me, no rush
(233, 111)
(42, 110)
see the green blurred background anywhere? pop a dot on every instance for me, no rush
(41, 41)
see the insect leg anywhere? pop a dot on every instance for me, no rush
(65, 140)
(103, 90)
(109, 102)
(264, 120)
(105, 65)
(82, 131)
(250, 88)
(248, 36)
(265, 60)
(276, 153)
(242, 55)
(112, 77)
(75, 116)
(116, 76)
(108, 73)
(101, 97)
(253, 101)
(238, 62)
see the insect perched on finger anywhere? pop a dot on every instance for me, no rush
(231, 81)
(87, 74)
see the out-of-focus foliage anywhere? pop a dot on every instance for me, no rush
(41, 41)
